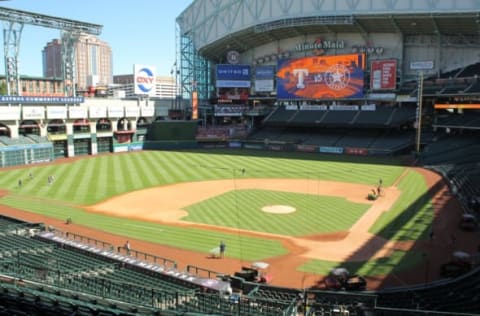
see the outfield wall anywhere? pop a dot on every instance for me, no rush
(289, 147)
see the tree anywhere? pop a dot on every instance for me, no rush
(3, 88)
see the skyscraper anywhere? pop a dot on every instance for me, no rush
(93, 58)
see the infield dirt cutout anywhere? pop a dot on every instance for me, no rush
(165, 204)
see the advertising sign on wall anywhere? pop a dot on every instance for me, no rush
(40, 99)
(194, 105)
(56, 112)
(9, 113)
(383, 74)
(97, 111)
(115, 111)
(33, 112)
(421, 65)
(233, 76)
(75, 112)
(147, 111)
(321, 77)
(132, 111)
(144, 78)
(331, 149)
(264, 76)
(457, 106)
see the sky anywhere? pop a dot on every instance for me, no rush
(138, 32)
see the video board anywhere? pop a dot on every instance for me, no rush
(383, 74)
(233, 76)
(264, 78)
(321, 77)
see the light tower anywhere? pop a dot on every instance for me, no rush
(14, 20)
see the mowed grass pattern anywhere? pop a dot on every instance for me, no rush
(178, 237)
(89, 180)
(397, 262)
(92, 179)
(242, 209)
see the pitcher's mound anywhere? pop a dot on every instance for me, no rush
(278, 209)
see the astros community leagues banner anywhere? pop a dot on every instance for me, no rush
(322, 77)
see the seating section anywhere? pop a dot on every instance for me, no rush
(312, 117)
(212, 304)
(402, 116)
(457, 159)
(37, 139)
(287, 295)
(266, 132)
(27, 301)
(357, 138)
(469, 71)
(331, 303)
(280, 116)
(460, 296)
(381, 117)
(7, 224)
(472, 120)
(378, 118)
(377, 141)
(474, 87)
(325, 138)
(12, 245)
(393, 140)
(339, 118)
(21, 140)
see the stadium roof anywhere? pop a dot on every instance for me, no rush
(466, 24)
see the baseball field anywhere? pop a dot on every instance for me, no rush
(302, 213)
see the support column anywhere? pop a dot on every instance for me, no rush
(69, 39)
(93, 138)
(70, 144)
(13, 129)
(11, 44)
(43, 128)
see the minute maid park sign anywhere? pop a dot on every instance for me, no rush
(319, 46)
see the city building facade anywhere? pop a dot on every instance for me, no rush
(93, 62)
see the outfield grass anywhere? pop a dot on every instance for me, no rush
(397, 262)
(411, 216)
(243, 209)
(93, 179)
(183, 238)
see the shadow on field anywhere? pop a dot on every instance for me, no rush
(419, 260)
